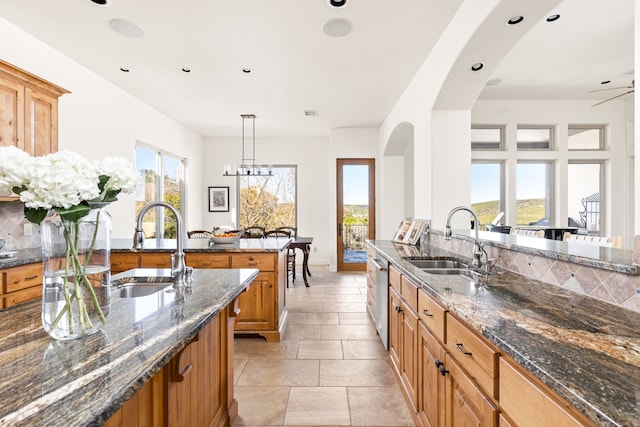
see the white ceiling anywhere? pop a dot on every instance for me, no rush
(352, 81)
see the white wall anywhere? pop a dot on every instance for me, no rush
(98, 119)
(311, 155)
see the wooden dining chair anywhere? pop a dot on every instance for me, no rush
(608, 242)
(291, 253)
(253, 232)
(290, 260)
(199, 234)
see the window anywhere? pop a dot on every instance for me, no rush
(534, 198)
(584, 183)
(586, 137)
(534, 138)
(268, 201)
(162, 179)
(487, 190)
(487, 138)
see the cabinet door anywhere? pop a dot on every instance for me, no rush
(465, 404)
(431, 386)
(409, 353)
(41, 123)
(122, 261)
(395, 325)
(207, 260)
(155, 260)
(11, 113)
(257, 305)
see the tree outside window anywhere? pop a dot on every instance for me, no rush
(268, 201)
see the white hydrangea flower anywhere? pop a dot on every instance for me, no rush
(60, 180)
(13, 164)
(122, 174)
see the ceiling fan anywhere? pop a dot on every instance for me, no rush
(630, 89)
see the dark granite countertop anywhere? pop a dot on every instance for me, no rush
(586, 350)
(31, 255)
(44, 382)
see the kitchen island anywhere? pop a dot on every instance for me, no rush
(44, 382)
(584, 350)
(263, 310)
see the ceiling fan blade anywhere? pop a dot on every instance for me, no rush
(613, 97)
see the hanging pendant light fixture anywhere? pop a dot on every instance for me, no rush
(248, 166)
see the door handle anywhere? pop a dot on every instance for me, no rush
(339, 231)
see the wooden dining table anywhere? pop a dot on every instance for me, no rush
(304, 244)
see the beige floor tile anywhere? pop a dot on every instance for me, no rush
(355, 373)
(344, 307)
(298, 318)
(305, 307)
(347, 332)
(263, 373)
(364, 349)
(318, 406)
(259, 348)
(354, 318)
(379, 406)
(324, 319)
(341, 290)
(351, 298)
(310, 298)
(302, 332)
(264, 406)
(320, 349)
(238, 367)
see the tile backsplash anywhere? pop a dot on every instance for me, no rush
(12, 223)
(616, 288)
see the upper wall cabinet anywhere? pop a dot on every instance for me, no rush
(28, 111)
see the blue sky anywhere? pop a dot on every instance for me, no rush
(355, 184)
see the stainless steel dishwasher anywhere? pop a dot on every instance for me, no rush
(382, 298)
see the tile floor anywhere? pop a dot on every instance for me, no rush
(330, 367)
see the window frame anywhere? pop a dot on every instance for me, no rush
(499, 128)
(552, 137)
(601, 142)
(602, 214)
(550, 207)
(501, 164)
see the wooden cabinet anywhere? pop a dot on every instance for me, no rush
(155, 260)
(528, 402)
(262, 306)
(21, 283)
(371, 284)
(194, 389)
(403, 344)
(122, 261)
(28, 111)
(207, 260)
(431, 391)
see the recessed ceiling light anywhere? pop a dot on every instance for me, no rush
(337, 3)
(126, 28)
(494, 82)
(605, 82)
(124, 70)
(246, 70)
(552, 18)
(515, 20)
(337, 27)
(311, 113)
(103, 3)
(477, 66)
(186, 70)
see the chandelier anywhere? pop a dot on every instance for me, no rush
(248, 166)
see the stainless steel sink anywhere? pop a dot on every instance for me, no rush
(438, 263)
(140, 282)
(466, 272)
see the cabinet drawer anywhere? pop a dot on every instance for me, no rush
(124, 261)
(432, 315)
(22, 296)
(207, 260)
(409, 292)
(22, 277)
(371, 288)
(159, 260)
(528, 403)
(474, 353)
(261, 262)
(371, 270)
(394, 278)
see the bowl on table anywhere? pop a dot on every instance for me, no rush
(225, 238)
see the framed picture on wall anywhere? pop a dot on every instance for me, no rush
(218, 199)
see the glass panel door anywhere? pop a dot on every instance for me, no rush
(356, 212)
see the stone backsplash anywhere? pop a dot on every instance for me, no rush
(616, 288)
(12, 223)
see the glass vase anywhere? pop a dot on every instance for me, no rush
(76, 291)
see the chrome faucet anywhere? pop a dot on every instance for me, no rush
(478, 250)
(178, 267)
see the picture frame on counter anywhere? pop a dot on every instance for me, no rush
(409, 231)
(218, 199)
